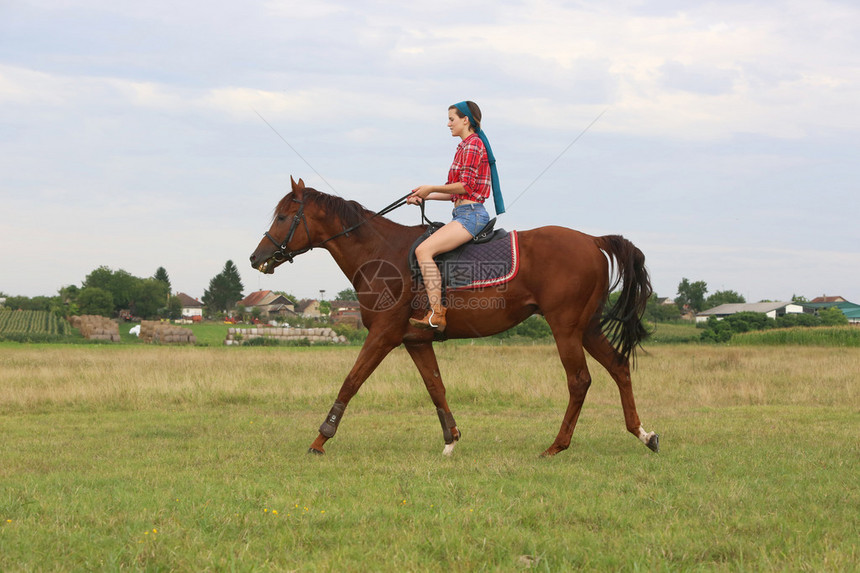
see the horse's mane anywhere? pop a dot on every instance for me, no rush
(349, 212)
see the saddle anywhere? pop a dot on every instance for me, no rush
(490, 259)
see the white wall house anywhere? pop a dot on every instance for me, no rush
(191, 307)
(771, 309)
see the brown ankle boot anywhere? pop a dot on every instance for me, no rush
(435, 318)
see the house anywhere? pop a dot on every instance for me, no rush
(852, 314)
(346, 312)
(309, 308)
(771, 309)
(849, 309)
(191, 307)
(269, 304)
(821, 299)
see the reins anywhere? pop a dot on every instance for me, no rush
(283, 254)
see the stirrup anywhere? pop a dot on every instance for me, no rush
(430, 319)
(426, 322)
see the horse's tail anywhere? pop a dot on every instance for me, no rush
(622, 322)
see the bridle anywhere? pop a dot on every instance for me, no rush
(284, 254)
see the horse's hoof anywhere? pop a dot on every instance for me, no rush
(316, 452)
(654, 443)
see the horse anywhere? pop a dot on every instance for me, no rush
(563, 274)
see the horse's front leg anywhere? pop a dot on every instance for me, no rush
(425, 359)
(375, 348)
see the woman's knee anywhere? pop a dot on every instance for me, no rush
(425, 252)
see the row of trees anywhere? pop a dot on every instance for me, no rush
(691, 297)
(111, 293)
(107, 292)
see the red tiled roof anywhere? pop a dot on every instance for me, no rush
(188, 302)
(828, 299)
(254, 298)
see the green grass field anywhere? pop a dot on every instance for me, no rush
(193, 459)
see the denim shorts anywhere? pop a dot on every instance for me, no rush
(473, 216)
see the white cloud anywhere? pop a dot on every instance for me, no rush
(711, 109)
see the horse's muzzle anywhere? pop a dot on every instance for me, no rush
(264, 265)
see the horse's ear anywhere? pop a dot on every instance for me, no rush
(298, 188)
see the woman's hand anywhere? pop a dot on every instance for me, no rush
(419, 194)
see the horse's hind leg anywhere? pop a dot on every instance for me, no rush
(425, 359)
(569, 343)
(619, 368)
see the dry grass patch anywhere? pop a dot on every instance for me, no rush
(154, 458)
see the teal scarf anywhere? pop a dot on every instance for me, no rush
(498, 202)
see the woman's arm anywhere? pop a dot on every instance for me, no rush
(436, 192)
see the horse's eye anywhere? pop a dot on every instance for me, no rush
(281, 218)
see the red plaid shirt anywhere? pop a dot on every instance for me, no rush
(472, 169)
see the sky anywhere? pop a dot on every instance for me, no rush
(720, 137)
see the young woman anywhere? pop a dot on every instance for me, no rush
(471, 178)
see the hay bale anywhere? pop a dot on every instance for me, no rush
(96, 327)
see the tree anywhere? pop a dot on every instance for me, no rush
(25, 303)
(832, 316)
(95, 300)
(149, 298)
(174, 308)
(65, 304)
(723, 297)
(225, 289)
(656, 312)
(161, 275)
(691, 296)
(120, 284)
(347, 294)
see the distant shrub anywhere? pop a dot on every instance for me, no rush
(534, 327)
(748, 322)
(821, 336)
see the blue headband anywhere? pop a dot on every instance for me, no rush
(498, 202)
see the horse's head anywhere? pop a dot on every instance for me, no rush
(289, 234)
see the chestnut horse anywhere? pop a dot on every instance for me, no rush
(563, 275)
